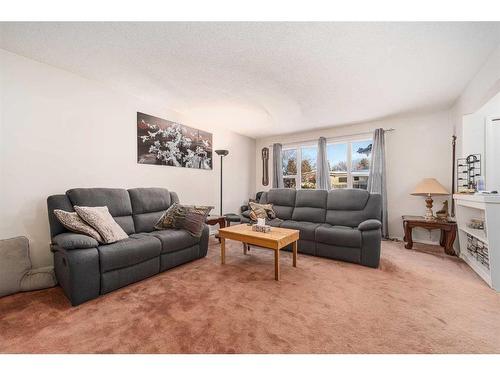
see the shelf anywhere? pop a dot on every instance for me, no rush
(477, 233)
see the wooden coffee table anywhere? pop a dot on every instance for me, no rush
(275, 240)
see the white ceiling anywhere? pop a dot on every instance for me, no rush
(261, 79)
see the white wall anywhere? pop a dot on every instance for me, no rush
(60, 131)
(484, 86)
(419, 147)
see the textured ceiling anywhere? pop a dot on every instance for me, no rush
(267, 78)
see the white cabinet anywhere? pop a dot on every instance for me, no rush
(480, 248)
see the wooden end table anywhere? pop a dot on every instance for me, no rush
(448, 231)
(274, 240)
(214, 220)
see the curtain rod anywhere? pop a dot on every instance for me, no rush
(341, 136)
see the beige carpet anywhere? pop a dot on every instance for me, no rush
(417, 302)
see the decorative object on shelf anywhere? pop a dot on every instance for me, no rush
(476, 224)
(442, 214)
(429, 187)
(468, 173)
(448, 231)
(164, 142)
(261, 228)
(478, 250)
(221, 153)
(265, 166)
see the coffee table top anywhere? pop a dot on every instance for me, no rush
(276, 238)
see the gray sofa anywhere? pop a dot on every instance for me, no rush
(341, 224)
(86, 269)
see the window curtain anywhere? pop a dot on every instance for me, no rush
(376, 179)
(322, 167)
(277, 165)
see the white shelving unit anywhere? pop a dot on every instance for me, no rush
(485, 261)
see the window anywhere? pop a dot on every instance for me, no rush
(349, 164)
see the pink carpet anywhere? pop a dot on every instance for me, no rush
(417, 302)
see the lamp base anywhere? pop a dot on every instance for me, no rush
(429, 215)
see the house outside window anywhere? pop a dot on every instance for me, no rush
(349, 163)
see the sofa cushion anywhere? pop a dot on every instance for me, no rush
(174, 239)
(283, 201)
(310, 205)
(350, 207)
(117, 201)
(148, 204)
(306, 229)
(57, 202)
(338, 235)
(133, 250)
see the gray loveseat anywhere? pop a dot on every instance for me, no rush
(341, 224)
(86, 269)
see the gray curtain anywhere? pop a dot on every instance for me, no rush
(277, 165)
(376, 179)
(322, 167)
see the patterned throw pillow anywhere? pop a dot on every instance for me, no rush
(74, 223)
(261, 211)
(190, 218)
(101, 220)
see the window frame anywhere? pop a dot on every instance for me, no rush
(330, 141)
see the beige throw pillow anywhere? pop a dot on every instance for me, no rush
(74, 223)
(101, 220)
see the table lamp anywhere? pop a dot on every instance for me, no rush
(429, 187)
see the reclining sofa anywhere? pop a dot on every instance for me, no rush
(86, 269)
(341, 224)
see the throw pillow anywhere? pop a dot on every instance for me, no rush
(261, 211)
(190, 218)
(74, 223)
(101, 220)
(167, 219)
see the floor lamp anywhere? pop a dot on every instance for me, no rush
(221, 153)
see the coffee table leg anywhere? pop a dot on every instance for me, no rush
(244, 248)
(222, 250)
(294, 248)
(277, 264)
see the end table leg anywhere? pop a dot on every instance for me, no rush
(294, 249)
(408, 238)
(450, 239)
(222, 250)
(277, 264)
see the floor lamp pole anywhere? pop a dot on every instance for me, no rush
(221, 153)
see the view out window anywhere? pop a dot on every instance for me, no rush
(309, 156)
(290, 168)
(349, 163)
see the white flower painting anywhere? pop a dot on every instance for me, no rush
(164, 142)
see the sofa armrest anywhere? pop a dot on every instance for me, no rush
(370, 224)
(244, 208)
(70, 241)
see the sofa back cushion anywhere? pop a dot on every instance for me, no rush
(350, 207)
(310, 205)
(117, 201)
(148, 204)
(283, 201)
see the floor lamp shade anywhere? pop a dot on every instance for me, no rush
(221, 153)
(427, 188)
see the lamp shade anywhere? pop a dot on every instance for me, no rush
(430, 186)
